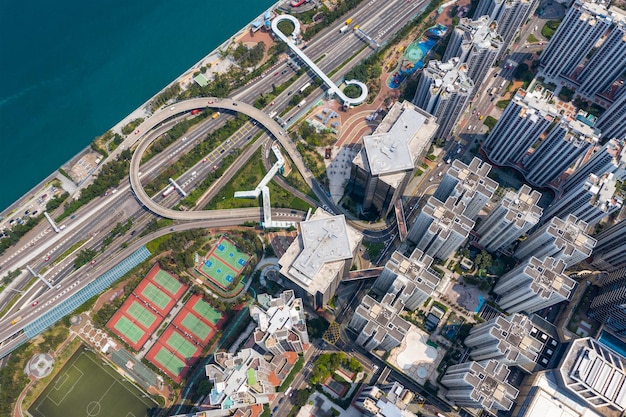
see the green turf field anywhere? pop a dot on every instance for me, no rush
(141, 314)
(87, 388)
(196, 326)
(231, 255)
(167, 281)
(170, 361)
(181, 345)
(218, 271)
(129, 329)
(156, 296)
(207, 311)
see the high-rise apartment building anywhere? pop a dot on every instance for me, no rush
(609, 305)
(505, 339)
(319, 257)
(385, 164)
(480, 385)
(594, 374)
(591, 201)
(510, 15)
(524, 120)
(608, 62)
(440, 228)
(612, 122)
(610, 158)
(610, 252)
(409, 279)
(388, 400)
(583, 25)
(444, 90)
(514, 215)
(477, 44)
(533, 285)
(469, 185)
(281, 324)
(559, 238)
(379, 325)
(563, 146)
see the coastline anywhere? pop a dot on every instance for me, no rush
(141, 111)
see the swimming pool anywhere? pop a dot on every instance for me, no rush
(613, 343)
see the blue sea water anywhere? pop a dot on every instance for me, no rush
(73, 69)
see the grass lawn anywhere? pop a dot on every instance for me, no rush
(85, 387)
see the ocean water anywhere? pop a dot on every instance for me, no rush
(72, 69)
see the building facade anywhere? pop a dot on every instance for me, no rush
(444, 90)
(533, 285)
(612, 122)
(509, 15)
(514, 215)
(379, 325)
(561, 239)
(469, 184)
(440, 228)
(610, 252)
(609, 305)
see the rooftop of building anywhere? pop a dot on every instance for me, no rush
(490, 389)
(595, 9)
(514, 333)
(596, 374)
(536, 105)
(548, 277)
(482, 32)
(397, 142)
(318, 254)
(522, 206)
(416, 268)
(570, 234)
(449, 77)
(383, 317)
(473, 177)
(274, 314)
(448, 217)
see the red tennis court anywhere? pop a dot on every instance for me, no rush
(128, 331)
(174, 353)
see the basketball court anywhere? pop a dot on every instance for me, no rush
(85, 387)
(224, 263)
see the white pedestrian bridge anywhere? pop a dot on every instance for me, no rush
(331, 85)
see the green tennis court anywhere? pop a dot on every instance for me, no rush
(86, 387)
(222, 274)
(141, 314)
(207, 311)
(170, 361)
(129, 329)
(165, 280)
(228, 253)
(181, 345)
(156, 296)
(196, 326)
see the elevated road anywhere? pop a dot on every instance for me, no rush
(226, 104)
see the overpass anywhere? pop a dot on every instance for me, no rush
(263, 119)
(331, 85)
(363, 274)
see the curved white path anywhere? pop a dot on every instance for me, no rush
(331, 85)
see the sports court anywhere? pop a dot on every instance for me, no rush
(223, 263)
(187, 322)
(228, 253)
(166, 282)
(86, 388)
(174, 352)
(205, 310)
(130, 332)
(155, 296)
(141, 314)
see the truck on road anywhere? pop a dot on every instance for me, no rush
(344, 29)
(215, 115)
(168, 190)
(302, 103)
(15, 320)
(304, 87)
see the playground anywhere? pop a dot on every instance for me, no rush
(86, 387)
(415, 54)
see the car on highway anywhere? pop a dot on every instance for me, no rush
(276, 73)
(35, 303)
(283, 72)
(431, 178)
(93, 262)
(47, 258)
(137, 132)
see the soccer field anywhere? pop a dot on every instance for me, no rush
(85, 387)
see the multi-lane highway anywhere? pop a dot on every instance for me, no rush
(91, 224)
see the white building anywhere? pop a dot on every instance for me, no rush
(514, 215)
(444, 90)
(410, 278)
(477, 44)
(479, 385)
(440, 228)
(560, 239)
(583, 25)
(320, 257)
(506, 340)
(510, 15)
(379, 325)
(469, 185)
(281, 323)
(533, 285)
